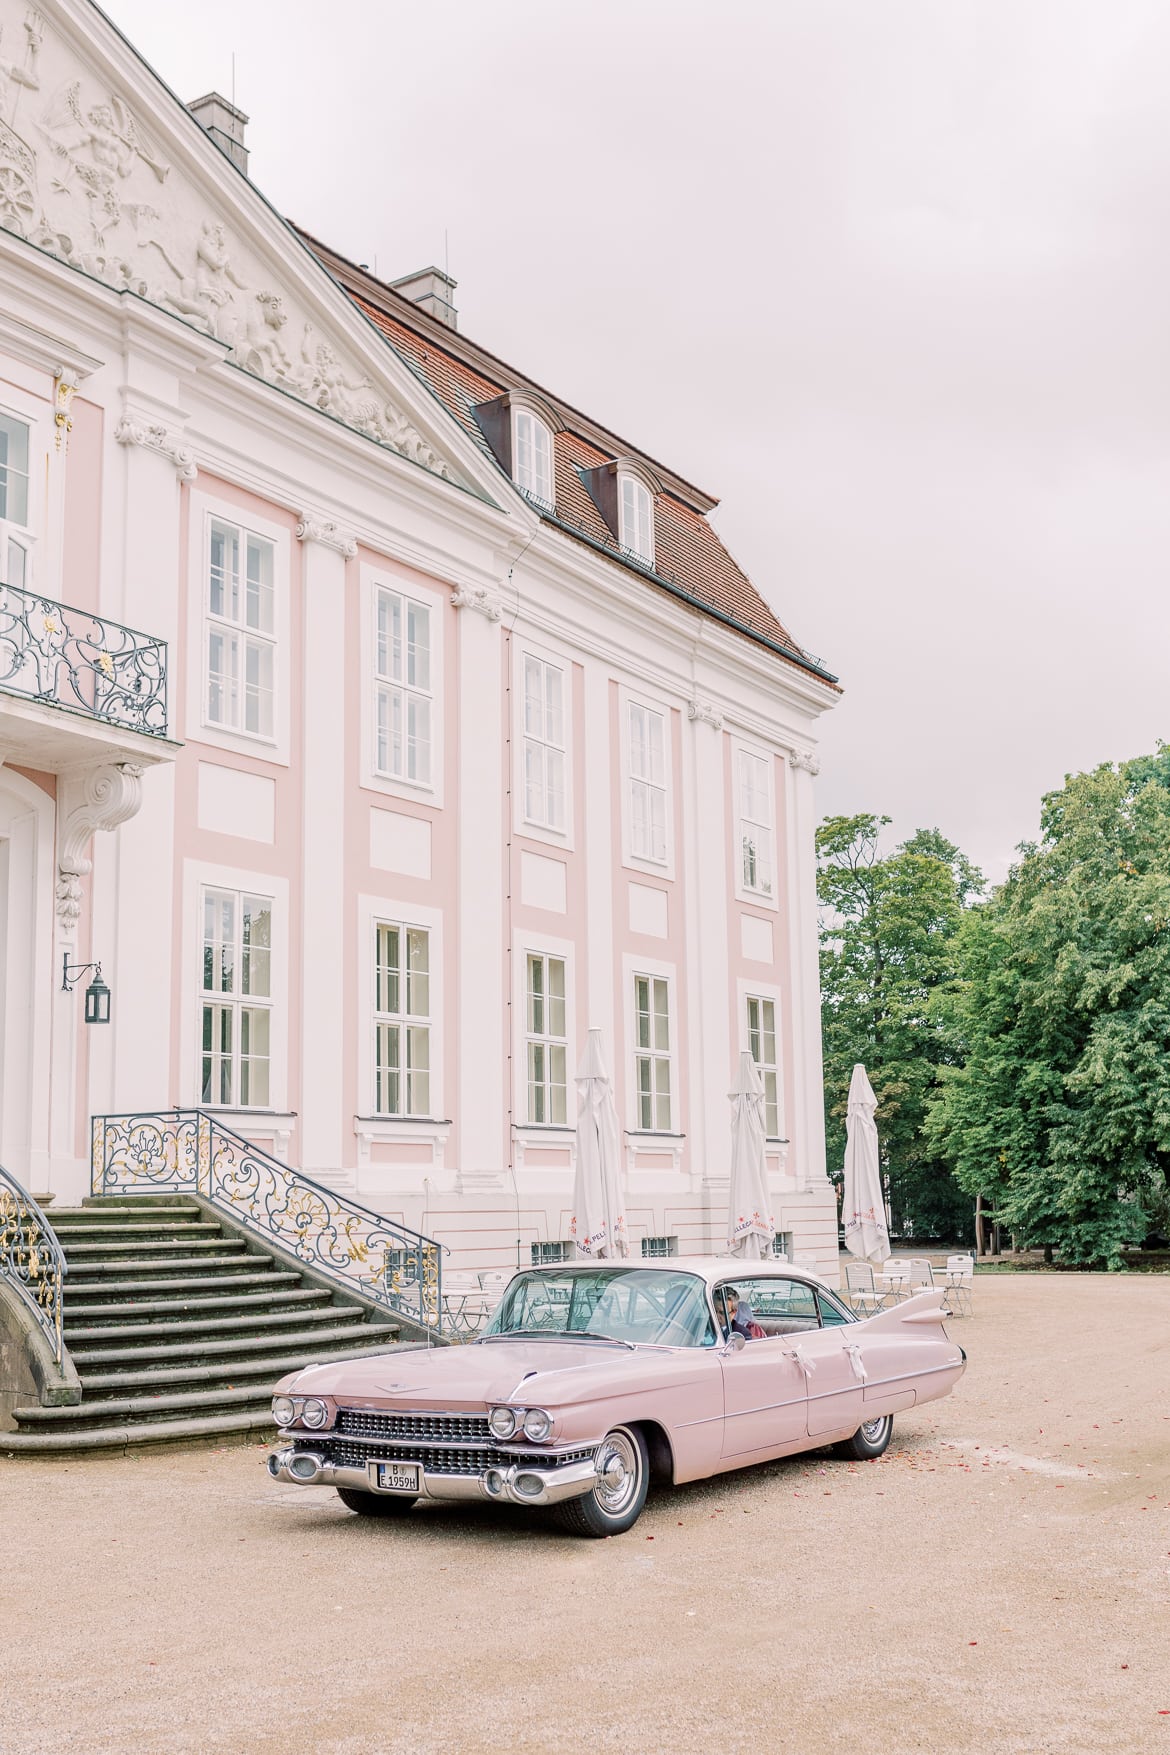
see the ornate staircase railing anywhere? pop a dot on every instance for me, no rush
(75, 659)
(31, 1258)
(355, 1248)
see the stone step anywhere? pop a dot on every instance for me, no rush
(233, 1371)
(193, 1352)
(130, 1436)
(145, 1407)
(176, 1266)
(246, 1304)
(72, 1235)
(177, 1246)
(106, 1210)
(114, 1293)
(80, 1339)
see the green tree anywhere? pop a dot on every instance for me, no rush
(889, 924)
(1060, 1108)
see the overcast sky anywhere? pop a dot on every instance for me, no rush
(889, 277)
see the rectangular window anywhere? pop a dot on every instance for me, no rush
(240, 630)
(14, 436)
(652, 1052)
(647, 784)
(547, 1044)
(534, 457)
(636, 519)
(655, 1247)
(544, 743)
(236, 1003)
(761, 1019)
(402, 1020)
(544, 1253)
(403, 693)
(755, 822)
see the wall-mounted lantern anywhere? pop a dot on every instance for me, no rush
(97, 994)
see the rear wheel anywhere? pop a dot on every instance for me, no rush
(614, 1504)
(869, 1440)
(376, 1504)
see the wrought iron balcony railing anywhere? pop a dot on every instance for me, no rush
(74, 659)
(31, 1258)
(358, 1250)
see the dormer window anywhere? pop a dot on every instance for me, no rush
(636, 518)
(532, 456)
(519, 428)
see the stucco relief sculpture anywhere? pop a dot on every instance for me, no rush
(80, 178)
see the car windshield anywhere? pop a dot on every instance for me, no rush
(618, 1304)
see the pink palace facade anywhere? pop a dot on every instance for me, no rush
(379, 722)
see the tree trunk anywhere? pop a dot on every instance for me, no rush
(979, 1249)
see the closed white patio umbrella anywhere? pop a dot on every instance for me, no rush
(863, 1209)
(750, 1231)
(598, 1225)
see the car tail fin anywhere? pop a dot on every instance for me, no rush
(926, 1307)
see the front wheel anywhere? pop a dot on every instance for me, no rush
(869, 1440)
(375, 1504)
(614, 1503)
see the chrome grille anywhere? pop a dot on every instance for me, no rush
(462, 1459)
(439, 1428)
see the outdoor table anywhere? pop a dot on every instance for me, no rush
(955, 1283)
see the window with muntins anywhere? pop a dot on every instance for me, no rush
(545, 1253)
(402, 1020)
(755, 823)
(532, 456)
(652, 1052)
(547, 1044)
(636, 519)
(654, 1248)
(647, 784)
(15, 568)
(544, 743)
(236, 999)
(240, 630)
(761, 1020)
(403, 693)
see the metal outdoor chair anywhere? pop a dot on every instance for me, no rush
(860, 1289)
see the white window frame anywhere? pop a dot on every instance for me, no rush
(235, 1001)
(532, 488)
(405, 584)
(629, 699)
(644, 503)
(403, 1019)
(632, 967)
(409, 691)
(200, 875)
(200, 729)
(547, 655)
(740, 748)
(769, 994)
(430, 1131)
(539, 944)
(34, 413)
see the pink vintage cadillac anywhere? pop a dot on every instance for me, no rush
(596, 1378)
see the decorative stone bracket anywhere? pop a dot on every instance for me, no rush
(65, 382)
(160, 439)
(99, 799)
(480, 598)
(704, 713)
(328, 534)
(805, 760)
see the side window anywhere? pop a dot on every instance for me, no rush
(15, 543)
(832, 1313)
(533, 457)
(779, 1306)
(402, 1019)
(652, 1052)
(547, 1045)
(236, 999)
(402, 688)
(544, 743)
(755, 824)
(240, 630)
(647, 783)
(761, 1021)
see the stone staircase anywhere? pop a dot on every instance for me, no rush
(179, 1326)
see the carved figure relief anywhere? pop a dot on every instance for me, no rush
(80, 178)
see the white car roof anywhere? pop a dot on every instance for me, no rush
(712, 1268)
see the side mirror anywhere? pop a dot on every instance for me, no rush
(735, 1344)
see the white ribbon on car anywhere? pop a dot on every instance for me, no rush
(802, 1359)
(855, 1359)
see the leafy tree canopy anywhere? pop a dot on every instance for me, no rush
(1059, 1106)
(889, 925)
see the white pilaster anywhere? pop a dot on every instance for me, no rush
(598, 783)
(325, 551)
(710, 1029)
(804, 950)
(481, 1002)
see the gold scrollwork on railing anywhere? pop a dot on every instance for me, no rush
(31, 1258)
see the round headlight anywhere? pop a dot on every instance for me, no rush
(283, 1410)
(537, 1425)
(314, 1413)
(502, 1422)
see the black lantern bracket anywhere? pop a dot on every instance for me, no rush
(97, 994)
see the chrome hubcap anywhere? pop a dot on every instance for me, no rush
(873, 1431)
(618, 1470)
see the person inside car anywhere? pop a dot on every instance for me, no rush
(739, 1314)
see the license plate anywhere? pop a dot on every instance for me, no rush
(396, 1477)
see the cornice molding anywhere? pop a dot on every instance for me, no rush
(703, 713)
(478, 597)
(160, 439)
(328, 534)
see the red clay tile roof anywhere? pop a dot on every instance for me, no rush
(690, 560)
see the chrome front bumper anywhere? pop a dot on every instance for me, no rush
(515, 1483)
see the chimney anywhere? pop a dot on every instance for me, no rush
(433, 290)
(225, 124)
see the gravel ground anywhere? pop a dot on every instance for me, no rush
(999, 1581)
